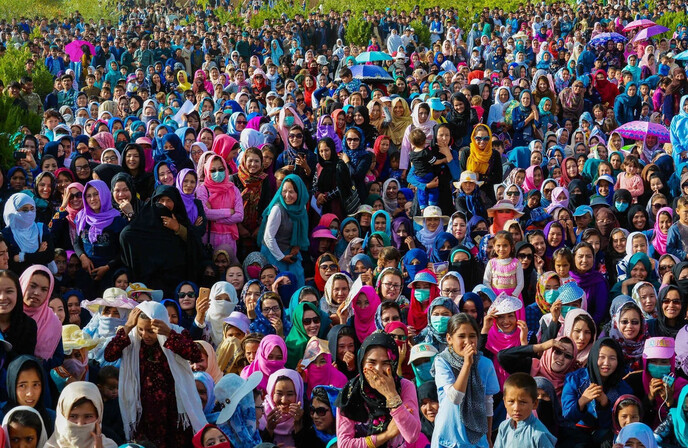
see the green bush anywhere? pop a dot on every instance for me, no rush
(358, 31)
(671, 20)
(422, 31)
(11, 119)
(12, 69)
(89, 9)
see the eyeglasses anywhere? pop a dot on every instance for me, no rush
(321, 412)
(512, 193)
(295, 135)
(604, 221)
(548, 190)
(525, 256)
(671, 302)
(391, 285)
(559, 352)
(83, 167)
(634, 322)
(190, 295)
(399, 337)
(665, 267)
(328, 267)
(299, 100)
(355, 139)
(482, 139)
(449, 292)
(241, 122)
(310, 320)
(109, 159)
(271, 310)
(218, 170)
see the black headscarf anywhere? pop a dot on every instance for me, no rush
(528, 273)
(622, 195)
(21, 364)
(593, 369)
(663, 327)
(461, 124)
(358, 401)
(470, 270)
(143, 181)
(106, 172)
(72, 167)
(156, 256)
(682, 285)
(576, 200)
(333, 339)
(334, 173)
(633, 209)
(129, 181)
(369, 131)
(427, 390)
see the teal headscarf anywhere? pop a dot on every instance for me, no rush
(680, 419)
(296, 211)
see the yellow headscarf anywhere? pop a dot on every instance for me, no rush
(397, 127)
(479, 160)
(184, 83)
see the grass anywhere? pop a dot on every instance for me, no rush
(89, 9)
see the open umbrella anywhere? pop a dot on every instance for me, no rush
(638, 130)
(642, 23)
(73, 49)
(371, 73)
(683, 56)
(647, 33)
(603, 38)
(373, 56)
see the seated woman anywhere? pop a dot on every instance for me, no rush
(28, 242)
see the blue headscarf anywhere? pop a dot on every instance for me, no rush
(439, 255)
(414, 254)
(483, 256)
(332, 394)
(209, 384)
(341, 245)
(429, 334)
(477, 301)
(679, 132)
(262, 325)
(363, 258)
(158, 165)
(388, 220)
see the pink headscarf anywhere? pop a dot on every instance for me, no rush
(498, 341)
(556, 203)
(71, 212)
(364, 319)
(660, 240)
(529, 182)
(105, 140)
(569, 321)
(262, 364)
(223, 145)
(543, 366)
(325, 375)
(49, 332)
(220, 195)
(282, 128)
(286, 427)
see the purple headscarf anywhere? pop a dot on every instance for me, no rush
(395, 226)
(550, 250)
(97, 221)
(188, 199)
(328, 131)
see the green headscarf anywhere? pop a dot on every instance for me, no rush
(296, 211)
(297, 338)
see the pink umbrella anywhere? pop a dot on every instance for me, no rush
(642, 23)
(73, 49)
(638, 130)
(647, 33)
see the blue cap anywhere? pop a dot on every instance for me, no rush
(423, 277)
(581, 210)
(570, 292)
(435, 104)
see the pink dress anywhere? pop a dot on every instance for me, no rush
(505, 280)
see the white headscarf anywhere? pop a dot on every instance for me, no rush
(189, 407)
(220, 309)
(390, 204)
(23, 224)
(6, 423)
(71, 435)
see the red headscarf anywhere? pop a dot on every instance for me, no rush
(418, 312)
(608, 91)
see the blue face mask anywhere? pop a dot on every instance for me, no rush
(439, 323)
(551, 296)
(334, 232)
(421, 295)
(657, 371)
(621, 206)
(218, 176)
(565, 309)
(422, 372)
(289, 121)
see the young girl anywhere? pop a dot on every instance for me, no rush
(79, 418)
(627, 409)
(502, 330)
(629, 179)
(563, 260)
(24, 428)
(147, 345)
(465, 413)
(26, 387)
(504, 273)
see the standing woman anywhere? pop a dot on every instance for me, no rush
(98, 226)
(357, 159)
(256, 192)
(134, 164)
(186, 183)
(590, 280)
(16, 327)
(377, 408)
(28, 242)
(481, 159)
(332, 177)
(284, 229)
(401, 120)
(222, 203)
(44, 189)
(37, 285)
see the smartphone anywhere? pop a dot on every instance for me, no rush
(203, 293)
(19, 155)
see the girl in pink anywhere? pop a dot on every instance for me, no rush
(222, 203)
(504, 273)
(270, 357)
(503, 330)
(629, 179)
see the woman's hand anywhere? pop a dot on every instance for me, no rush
(99, 273)
(126, 207)
(656, 388)
(555, 310)
(97, 436)
(524, 331)
(132, 320)
(539, 263)
(43, 247)
(467, 353)
(344, 157)
(367, 277)
(433, 183)
(591, 393)
(202, 306)
(410, 242)
(170, 223)
(276, 323)
(272, 419)
(279, 282)
(160, 327)
(382, 382)
(198, 221)
(86, 263)
(489, 320)
(296, 412)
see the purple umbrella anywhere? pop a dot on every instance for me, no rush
(642, 23)
(73, 49)
(638, 130)
(647, 33)
(603, 38)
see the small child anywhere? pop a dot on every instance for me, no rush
(423, 159)
(627, 409)
(677, 238)
(504, 273)
(629, 179)
(25, 428)
(522, 429)
(395, 172)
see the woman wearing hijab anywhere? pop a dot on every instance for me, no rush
(27, 369)
(22, 418)
(73, 429)
(671, 311)
(134, 164)
(285, 391)
(332, 183)
(422, 121)
(307, 322)
(364, 304)
(590, 280)
(186, 183)
(270, 304)
(284, 229)
(627, 105)
(482, 159)
(364, 412)
(28, 242)
(678, 88)
(589, 392)
(401, 120)
(223, 300)
(98, 226)
(439, 312)
(270, 357)
(462, 118)
(16, 326)
(572, 100)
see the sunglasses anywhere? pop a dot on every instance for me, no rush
(671, 302)
(525, 256)
(328, 267)
(190, 295)
(399, 337)
(241, 122)
(310, 320)
(321, 412)
(665, 267)
(560, 352)
(633, 322)
(482, 139)
(295, 135)
(512, 193)
(77, 195)
(353, 139)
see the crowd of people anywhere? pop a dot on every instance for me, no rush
(235, 237)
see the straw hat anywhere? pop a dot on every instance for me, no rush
(73, 338)
(468, 176)
(431, 211)
(503, 205)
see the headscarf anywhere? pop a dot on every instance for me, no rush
(220, 309)
(413, 269)
(659, 242)
(364, 319)
(390, 204)
(632, 348)
(25, 231)
(221, 195)
(213, 369)
(358, 401)
(42, 439)
(594, 371)
(427, 390)
(663, 328)
(68, 434)
(641, 432)
(49, 327)
(189, 407)
(543, 366)
(540, 291)
(297, 339)
(188, 199)
(396, 128)
(286, 426)
(297, 212)
(261, 362)
(97, 221)
(426, 237)
(569, 322)
(429, 334)
(332, 394)
(679, 418)
(479, 160)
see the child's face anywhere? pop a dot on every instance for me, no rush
(468, 187)
(562, 267)
(110, 389)
(519, 404)
(463, 336)
(506, 322)
(83, 414)
(22, 436)
(627, 415)
(502, 248)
